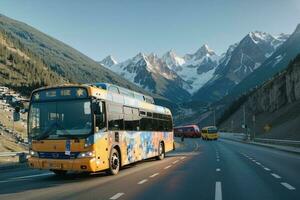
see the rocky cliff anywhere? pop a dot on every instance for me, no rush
(273, 109)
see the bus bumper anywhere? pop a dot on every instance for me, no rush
(81, 165)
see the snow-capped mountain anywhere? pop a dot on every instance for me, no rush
(173, 61)
(189, 72)
(153, 74)
(200, 74)
(239, 61)
(195, 69)
(199, 67)
(108, 61)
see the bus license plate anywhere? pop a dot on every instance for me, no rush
(55, 165)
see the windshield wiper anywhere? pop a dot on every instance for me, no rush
(46, 133)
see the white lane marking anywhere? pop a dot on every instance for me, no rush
(32, 176)
(176, 161)
(182, 158)
(116, 196)
(267, 169)
(288, 186)
(218, 160)
(258, 163)
(218, 169)
(142, 181)
(167, 166)
(218, 191)
(254, 160)
(15, 180)
(275, 175)
(153, 175)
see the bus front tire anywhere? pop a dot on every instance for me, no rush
(114, 162)
(161, 151)
(59, 172)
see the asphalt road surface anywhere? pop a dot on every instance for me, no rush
(201, 170)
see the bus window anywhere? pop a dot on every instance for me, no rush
(115, 122)
(113, 89)
(146, 124)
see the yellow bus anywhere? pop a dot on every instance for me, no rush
(95, 127)
(209, 133)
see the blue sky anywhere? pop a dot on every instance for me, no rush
(123, 28)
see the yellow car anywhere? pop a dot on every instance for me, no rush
(209, 133)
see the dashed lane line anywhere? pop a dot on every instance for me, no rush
(167, 166)
(267, 169)
(288, 186)
(183, 157)
(32, 176)
(218, 191)
(116, 196)
(258, 163)
(275, 175)
(218, 169)
(153, 175)
(143, 181)
(176, 161)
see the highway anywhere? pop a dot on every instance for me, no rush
(212, 170)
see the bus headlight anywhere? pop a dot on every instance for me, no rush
(88, 154)
(33, 154)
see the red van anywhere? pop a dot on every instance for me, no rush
(188, 131)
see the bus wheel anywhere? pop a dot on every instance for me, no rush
(114, 162)
(59, 172)
(161, 151)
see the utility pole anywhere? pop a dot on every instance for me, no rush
(254, 120)
(245, 126)
(214, 116)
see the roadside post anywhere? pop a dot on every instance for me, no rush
(16, 116)
(253, 120)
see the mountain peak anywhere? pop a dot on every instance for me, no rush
(172, 59)
(108, 61)
(297, 30)
(203, 51)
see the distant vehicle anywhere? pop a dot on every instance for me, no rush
(209, 133)
(95, 127)
(187, 131)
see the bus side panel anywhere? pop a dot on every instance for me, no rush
(102, 148)
(141, 145)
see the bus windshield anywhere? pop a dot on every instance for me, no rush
(53, 120)
(212, 130)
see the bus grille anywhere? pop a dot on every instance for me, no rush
(58, 155)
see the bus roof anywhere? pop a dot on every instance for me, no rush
(185, 126)
(209, 127)
(121, 95)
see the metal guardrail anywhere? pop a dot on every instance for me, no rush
(22, 156)
(11, 154)
(242, 136)
(282, 142)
